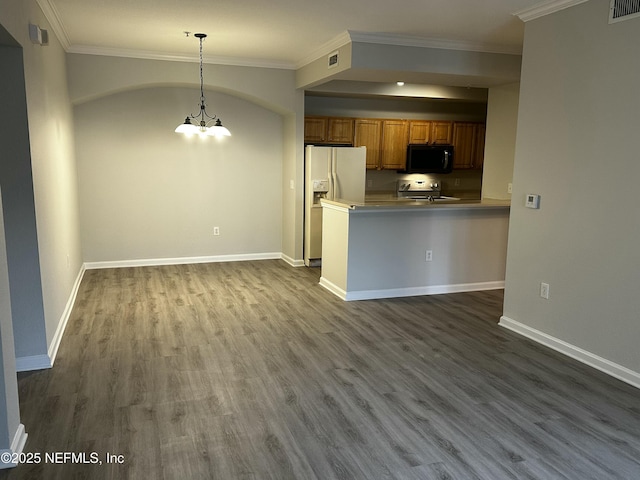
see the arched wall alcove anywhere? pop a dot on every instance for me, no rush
(148, 193)
(261, 107)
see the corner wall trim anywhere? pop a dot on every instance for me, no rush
(33, 362)
(152, 262)
(333, 288)
(41, 362)
(411, 291)
(610, 368)
(17, 445)
(292, 261)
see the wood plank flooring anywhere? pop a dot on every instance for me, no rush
(251, 370)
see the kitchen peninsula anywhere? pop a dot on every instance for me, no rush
(389, 248)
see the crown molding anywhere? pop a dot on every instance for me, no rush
(322, 50)
(405, 41)
(53, 17)
(150, 55)
(426, 42)
(546, 8)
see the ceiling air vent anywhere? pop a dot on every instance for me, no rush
(332, 59)
(623, 10)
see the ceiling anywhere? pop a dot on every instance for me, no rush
(279, 33)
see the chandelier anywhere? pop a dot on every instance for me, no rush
(203, 127)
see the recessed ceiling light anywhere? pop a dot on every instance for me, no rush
(400, 84)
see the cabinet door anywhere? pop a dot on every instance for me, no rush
(395, 135)
(441, 132)
(478, 151)
(315, 129)
(368, 133)
(463, 144)
(340, 130)
(419, 131)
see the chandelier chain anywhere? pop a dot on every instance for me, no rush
(188, 127)
(202, 105)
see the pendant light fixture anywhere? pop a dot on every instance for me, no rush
(203, 128)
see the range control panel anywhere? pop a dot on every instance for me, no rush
(413, 187)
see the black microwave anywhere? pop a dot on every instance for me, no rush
(423, 158)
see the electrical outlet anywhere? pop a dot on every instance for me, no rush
(369, 183)
(456, 182)
(544, 290)
(509, 188)
(429, 256)
(216, 231)
(292, 185)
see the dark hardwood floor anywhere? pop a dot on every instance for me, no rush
(251, 370)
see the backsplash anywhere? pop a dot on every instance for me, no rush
(462, 182)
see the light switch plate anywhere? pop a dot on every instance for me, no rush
(532, 201)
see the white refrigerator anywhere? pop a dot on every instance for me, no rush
(335, 173)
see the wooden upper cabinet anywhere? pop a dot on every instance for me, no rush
(468, 143)
(340, 130)
(419, 131)
(441, 132)
(478, 151)
(395, 136)
(368, 133)
(328, 130)
(463, 144)
(315, 129)
(387, 139)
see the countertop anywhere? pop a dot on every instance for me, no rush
(381, 202)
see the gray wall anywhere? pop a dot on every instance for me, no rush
(265, 114)
(407, 108)
(19, 208)
(9, 407)
(500, 145)
(577, 146)
(149, 193)
(52, 164)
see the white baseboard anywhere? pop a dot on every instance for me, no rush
(577, 353)
(151, 262)
(333, 288)
(40, 362)
(411, 291)
(17, 445)
(292, 261)
(64, 319)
